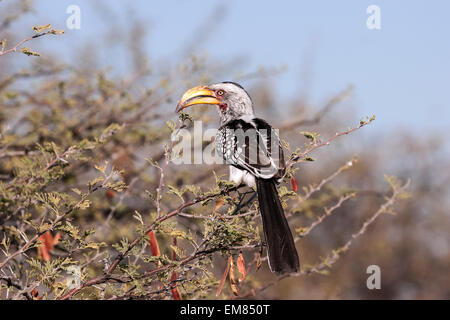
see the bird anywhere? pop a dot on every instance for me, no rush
(254, 153)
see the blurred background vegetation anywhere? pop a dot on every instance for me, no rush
(98, 94)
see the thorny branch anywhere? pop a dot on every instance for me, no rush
(107, 275)
(168, 153)
(321, 113)
(4, 51)
(317, 143)
(112, 272)
(337, 253)
(58, 219)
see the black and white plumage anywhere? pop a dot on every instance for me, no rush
(252, 149)
(252, 146)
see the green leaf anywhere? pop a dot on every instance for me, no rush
(310, 135)
(109, 131)
(29, 52)
(56, 32)
(138, 217)
(171, 125)
(39, 29)
(84, 205)
(77, 191)
(175, 191)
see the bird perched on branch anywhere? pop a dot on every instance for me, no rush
(252, 149)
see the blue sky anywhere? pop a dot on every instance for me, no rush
(401, 72)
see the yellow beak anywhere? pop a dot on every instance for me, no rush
(197, 95)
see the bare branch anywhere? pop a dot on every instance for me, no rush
(336, 254)
(19, 44)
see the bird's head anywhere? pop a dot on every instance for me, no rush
(231, 99)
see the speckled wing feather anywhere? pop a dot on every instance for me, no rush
(251, 145)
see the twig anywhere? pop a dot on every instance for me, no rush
(106, 276)
(336, 254)
(11, 283)
(314, 189)
(122, 197)
(34, 239)
(168, 152)
(382, 209)
(17, 153)
(328, 212)
(317, 144)
(319, 115)
(14, 48)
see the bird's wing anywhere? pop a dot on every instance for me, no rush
(251, 145)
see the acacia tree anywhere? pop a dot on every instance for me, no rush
(92, 206)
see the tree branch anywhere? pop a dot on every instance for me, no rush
(336, 254)
(19, 44)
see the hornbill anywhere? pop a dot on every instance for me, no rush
(253, 151)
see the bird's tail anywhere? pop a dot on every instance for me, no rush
(281, 252)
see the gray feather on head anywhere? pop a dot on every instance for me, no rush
(237, 100)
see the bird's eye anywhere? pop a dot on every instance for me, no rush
(220, 93)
